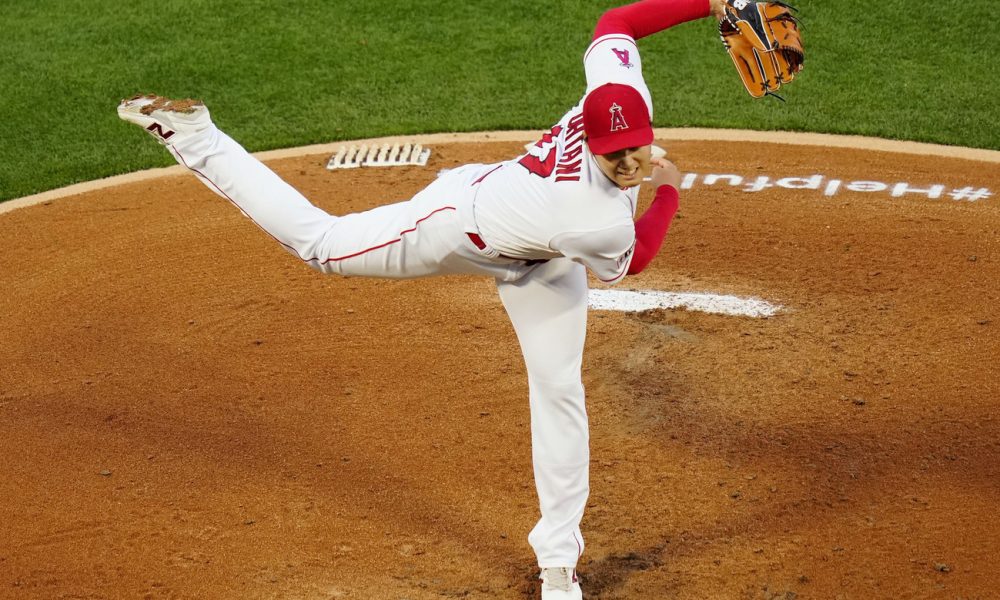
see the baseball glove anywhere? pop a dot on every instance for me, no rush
(764, 42)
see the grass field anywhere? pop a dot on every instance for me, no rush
(305, 71)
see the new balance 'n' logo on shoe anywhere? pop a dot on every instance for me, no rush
(157, 130)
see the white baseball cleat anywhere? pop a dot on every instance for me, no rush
(560, 583)
(169, 121)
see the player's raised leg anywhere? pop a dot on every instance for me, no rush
(548, 308)
(402, 240)
(186, 129)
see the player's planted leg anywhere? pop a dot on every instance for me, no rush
(548, 309)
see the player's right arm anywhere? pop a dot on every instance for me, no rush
(606, 252)
(622, 247)
(651, 228)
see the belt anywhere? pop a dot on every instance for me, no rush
(479, 243)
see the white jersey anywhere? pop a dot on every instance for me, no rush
(554, 200)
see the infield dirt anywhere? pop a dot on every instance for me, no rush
(188, 412)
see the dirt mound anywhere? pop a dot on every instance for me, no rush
(187, 412)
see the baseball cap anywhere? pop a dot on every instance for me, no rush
(615, 116)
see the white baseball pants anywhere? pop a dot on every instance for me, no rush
(427, 235)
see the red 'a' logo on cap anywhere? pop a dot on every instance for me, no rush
(617, 120)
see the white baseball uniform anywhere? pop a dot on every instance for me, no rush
(534, 223)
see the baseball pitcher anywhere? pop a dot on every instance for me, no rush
(536, 224)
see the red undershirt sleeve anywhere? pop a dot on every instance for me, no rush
(652, 227)
(647, 17)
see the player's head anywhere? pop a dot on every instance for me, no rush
(619, 133)
(615, 116)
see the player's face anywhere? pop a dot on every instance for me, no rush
(626, 167)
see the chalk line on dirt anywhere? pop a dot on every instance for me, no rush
(640, 300)
(672, 134)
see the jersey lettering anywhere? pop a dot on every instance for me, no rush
(568, 168)
(541, 159)
(537, 166)
(548, 137)
(572, 153)
(567, 171)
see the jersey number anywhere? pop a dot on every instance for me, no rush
(541, 158)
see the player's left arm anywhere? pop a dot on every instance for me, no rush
(646, 17)
(613, 56)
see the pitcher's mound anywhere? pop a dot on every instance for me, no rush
(188, 412)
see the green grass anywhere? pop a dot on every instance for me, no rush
(279, 74)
